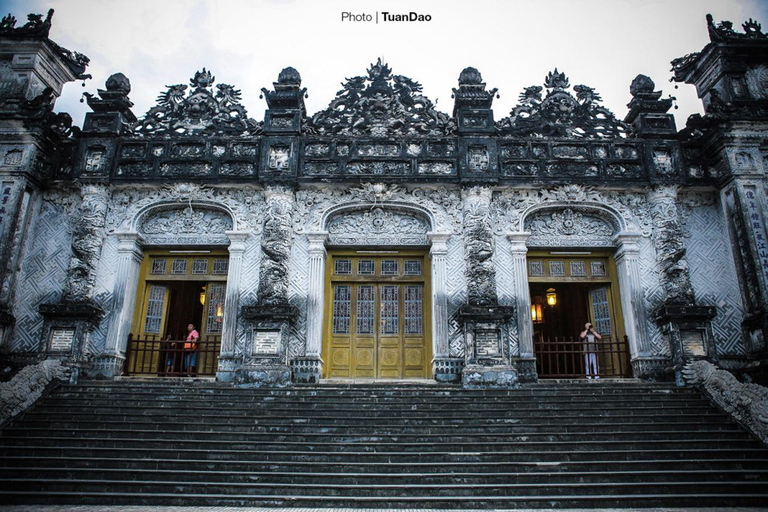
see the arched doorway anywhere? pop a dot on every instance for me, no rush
(378, 296)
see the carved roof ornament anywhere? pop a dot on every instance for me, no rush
(198, 112)
(114, 98)
(471, 92)
(560, 114)
(380, 105)
(38, 28)
(724, 30)
(288, 93)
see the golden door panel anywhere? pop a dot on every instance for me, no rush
(377, 318)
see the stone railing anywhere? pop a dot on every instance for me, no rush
(745, 403)
(28, 386)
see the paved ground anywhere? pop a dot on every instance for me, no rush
(67, 508)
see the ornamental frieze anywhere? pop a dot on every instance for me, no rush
(188, 224)
(246, 203)
(378, 226)
(568, 228)
(313, 203)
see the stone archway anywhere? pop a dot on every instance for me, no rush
(381, 224)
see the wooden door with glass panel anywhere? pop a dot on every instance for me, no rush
(377, 317)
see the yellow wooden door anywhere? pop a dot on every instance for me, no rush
(377, 320)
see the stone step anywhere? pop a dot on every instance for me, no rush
(638, 499)
(543, 478)
(371, 437)
(399, 448)
(728, 462)
(747, 451)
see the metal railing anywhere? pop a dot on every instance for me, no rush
(151, 355)
(570, 357)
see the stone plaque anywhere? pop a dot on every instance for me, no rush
(266, 342)
(62, 338)
(693, 342)
(486, 342)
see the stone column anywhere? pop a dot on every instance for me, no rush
(227, 362)
(527, 359)
(129, 254)
(310, 367)
(486, 324)
(444, 368)
(670, 247)
(686, 326)
(644, 363)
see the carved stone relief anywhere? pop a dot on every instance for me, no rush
(245, 202)
(276, 247)
(88, 235)
(190, 225)
(378, 226)
(569, 227)
(479, 247)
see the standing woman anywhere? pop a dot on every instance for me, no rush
(589, 339)
(190, 350)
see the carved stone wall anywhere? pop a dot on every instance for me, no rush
(192, 225)
(44, 270)
(653, 295)
(297, 295)
(456, 287)
(102, 294)
(713, 274)
(569, 227)
(378, 226)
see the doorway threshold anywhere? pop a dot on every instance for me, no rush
(378, 382)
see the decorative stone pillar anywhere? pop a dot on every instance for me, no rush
(110, 363)
(310, 368)
(526, 361)
(486, 324)
(686, 325)
(444, 367)
(227, 359)
(265, 361)
(644, 364)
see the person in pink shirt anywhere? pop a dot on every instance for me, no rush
(190, 350)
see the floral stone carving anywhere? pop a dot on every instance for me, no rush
(745, 403)
(88, 235)
(28, 386)
(380, 105)
(199, 112)
(560, 114)
(378, 227)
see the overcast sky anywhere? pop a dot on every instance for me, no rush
(601, 43)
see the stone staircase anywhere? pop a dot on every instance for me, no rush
(606, 444)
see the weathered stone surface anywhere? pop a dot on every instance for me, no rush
(27, 387)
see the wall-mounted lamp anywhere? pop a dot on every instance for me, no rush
(536, 311)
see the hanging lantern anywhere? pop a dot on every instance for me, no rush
(202, 297)
(551, 297)
(219, 312)
(536, 312)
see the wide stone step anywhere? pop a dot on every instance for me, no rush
(264, 456)
(679, 465)
(373, 478)
(710, 424)
(371, 446)
(375, 437)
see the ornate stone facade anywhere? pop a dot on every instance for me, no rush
(679, 216)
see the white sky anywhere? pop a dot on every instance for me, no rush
(600, 43)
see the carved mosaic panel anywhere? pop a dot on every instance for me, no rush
(43, 272)
(249, 284)
(456, 287)
(504, 288)
(653, 294)
(713, 275)
(297, 295)
(378, 226)
(102, 293)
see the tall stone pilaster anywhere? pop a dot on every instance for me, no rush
(486, 324)
(444, 367)
(265, 361)
(685, 325)
(526, 359)
(228, 361)
(310, 367)
(129, 254)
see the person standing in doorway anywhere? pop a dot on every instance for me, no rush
(190, 350)
(589, 339)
